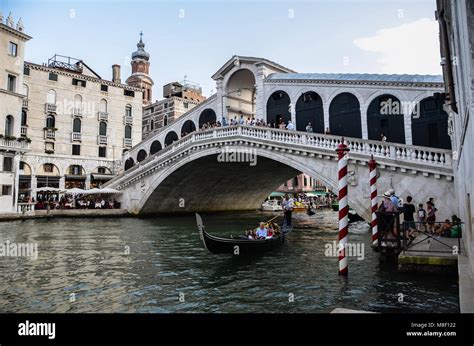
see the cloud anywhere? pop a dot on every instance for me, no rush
(409, 48)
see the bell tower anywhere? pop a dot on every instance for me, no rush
(140, 77)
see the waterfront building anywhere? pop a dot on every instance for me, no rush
(179, 98)
(302, 183)
(12, 145)
(456, 21)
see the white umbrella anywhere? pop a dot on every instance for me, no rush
(48, 189)
(109, 190)
(75, 191)
(92, 191)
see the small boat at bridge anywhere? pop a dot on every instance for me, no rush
(240, 245)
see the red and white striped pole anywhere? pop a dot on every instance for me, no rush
(373, 199)
(342, 151)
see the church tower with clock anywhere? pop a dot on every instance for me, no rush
(140, 77)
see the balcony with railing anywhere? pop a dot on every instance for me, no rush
(128, 120)
(25, 103)
(49, 134)
(76, 137)
(77, 112)
(127, 142)
(101, 139)
(24, 130)
(50, 108)
(12, 144)
(103, 116)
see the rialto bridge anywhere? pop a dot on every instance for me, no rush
(176, 169)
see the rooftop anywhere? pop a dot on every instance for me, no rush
(359, 77)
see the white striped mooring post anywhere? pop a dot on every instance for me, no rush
(373, 199)
(342, 151)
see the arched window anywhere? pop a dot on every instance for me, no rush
(128, 110)
(24, 118)
(128, 132)
(50, 121)
(9, 126)
(103, 106)
(103, 128)
(51, 97)
(278, 108)
(78, 102)
(26, 90)
(76, 126)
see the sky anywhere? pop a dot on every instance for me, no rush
(194, 38)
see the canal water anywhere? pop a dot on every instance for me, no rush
(159, 265)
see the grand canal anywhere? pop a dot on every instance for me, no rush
(159, 265)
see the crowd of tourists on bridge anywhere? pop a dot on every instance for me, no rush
(419, 219)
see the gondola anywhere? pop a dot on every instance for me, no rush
(239, 245)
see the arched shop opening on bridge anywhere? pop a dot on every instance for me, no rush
(155, 147)
(24, 186)
(430, 124)
(187, 128)
(345, 116)
(75, 177)
(48, 175)
(278, 108)
(129, 163)
(240, 95)
(385, 115)
(100, 176)
(141, 155)
(170, 138)
(309, 109)
(207, 116)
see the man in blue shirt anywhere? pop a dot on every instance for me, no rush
(262, 231)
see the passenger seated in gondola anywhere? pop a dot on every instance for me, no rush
(251, 234)
(262, 231)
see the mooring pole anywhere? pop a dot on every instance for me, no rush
(342, 151)
(373, 199)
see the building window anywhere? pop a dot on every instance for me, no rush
(6, 190)
(128, 132)
(53, 76)
(75, 170)
(48, 168)
(103, 128)
(185, 105)
(8, 164)
(50, 121)
(76, 125)
(104, 87)
(11, 83)
(79, 82)
(76, 149)
(130, 93)
(26, 70)
(128, 111)
(49, 148)
(102, 151)
(24, 118)
(9, 126)
(13, 49)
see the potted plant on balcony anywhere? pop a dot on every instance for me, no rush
(10, 138)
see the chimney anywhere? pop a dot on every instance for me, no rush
(116, 74)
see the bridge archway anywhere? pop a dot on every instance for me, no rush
(170, 138)
(385, 115)
(278, 108)
(345, 116)
(240, 94)
(309, 108)
(187, 128)
(207, 116)
(155, 147)
(141, 155)
(129, 163)
(429, 124)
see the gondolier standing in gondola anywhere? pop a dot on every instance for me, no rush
(288, 204)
